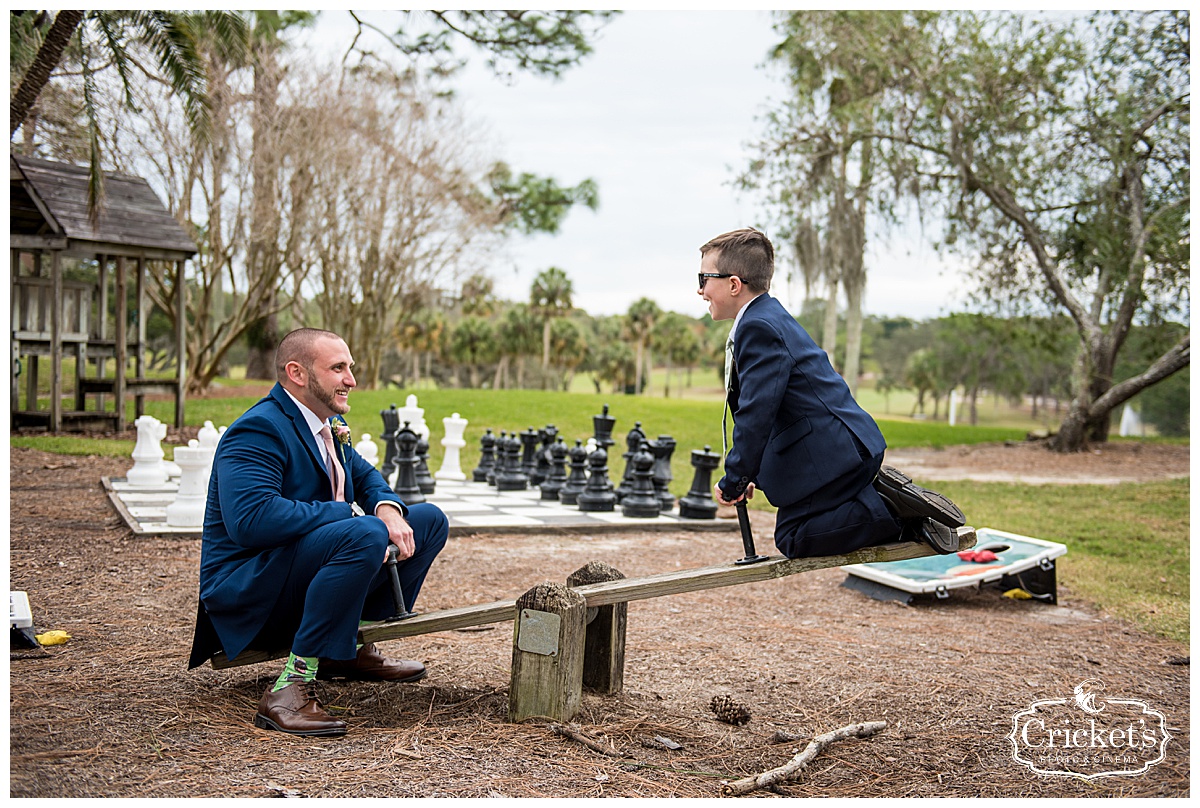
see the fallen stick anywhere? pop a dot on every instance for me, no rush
(591, 743)
(788, 770)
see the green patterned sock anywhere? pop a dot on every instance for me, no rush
(297, 669)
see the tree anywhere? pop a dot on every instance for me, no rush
(640, 320)
(820, 168)
(422, 332)
(569, 348)
(121, 39)
(540, 42)
(549, 298)
(473, 343)
(531, 204)
(675, 341)
(516, 337)
(1059, 154)
(264, 254)
(544, 43)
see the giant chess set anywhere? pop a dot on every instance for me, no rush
(526, 482)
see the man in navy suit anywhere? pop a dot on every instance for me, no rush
(798, 434)
(285, 561)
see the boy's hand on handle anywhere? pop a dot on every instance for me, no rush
(746, 495)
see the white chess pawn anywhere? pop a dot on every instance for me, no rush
(451, 469)
(591, 445)
(208, 436)
(415, 416)
(188, 508)
(367, 449)
(148, 469)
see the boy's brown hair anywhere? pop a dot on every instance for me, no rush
(746, 253)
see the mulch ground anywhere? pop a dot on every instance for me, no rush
(114, 712)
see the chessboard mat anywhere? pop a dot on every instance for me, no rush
(471, 508)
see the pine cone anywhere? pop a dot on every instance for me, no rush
(729, 710)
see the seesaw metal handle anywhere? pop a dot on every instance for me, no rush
(393, 566)
(751, 557)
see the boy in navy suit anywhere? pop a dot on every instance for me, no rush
(285, 562)
(798, 434)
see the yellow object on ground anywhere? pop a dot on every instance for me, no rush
(1018, 594)
(53, 637)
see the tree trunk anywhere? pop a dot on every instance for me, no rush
(637, 379)
(265, 217)
(38, 75)
(854, 326)
(1087, 417)
(829, 337)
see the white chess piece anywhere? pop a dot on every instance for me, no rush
(188, 508)
(208, 436)
(591, 445)
(415, 416)
(367, 449)
(148, 470)
(451, 468)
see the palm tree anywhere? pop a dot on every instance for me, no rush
(516, 337)
(473, 343)
(550, 298)
(170, 36)
(570, 349)
(639, 324)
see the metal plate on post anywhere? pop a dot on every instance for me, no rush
(538, 632)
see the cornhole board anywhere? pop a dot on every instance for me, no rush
(1022, 563)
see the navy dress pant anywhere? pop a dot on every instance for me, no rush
(844, 516)
(338, 578)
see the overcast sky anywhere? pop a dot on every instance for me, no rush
(660, 116)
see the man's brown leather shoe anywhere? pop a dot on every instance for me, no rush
(297, 710)
(371, 666)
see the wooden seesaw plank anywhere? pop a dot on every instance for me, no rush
(625, 590)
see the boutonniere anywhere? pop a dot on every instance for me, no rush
(342, 432)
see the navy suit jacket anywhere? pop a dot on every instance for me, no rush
(795, 422)
(269, 487)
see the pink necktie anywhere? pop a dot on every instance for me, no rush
(335, 467)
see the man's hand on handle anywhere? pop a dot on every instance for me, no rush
(399, 531)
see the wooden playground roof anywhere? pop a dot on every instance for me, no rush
(49, 211)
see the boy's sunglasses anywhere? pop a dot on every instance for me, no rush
(704, 276)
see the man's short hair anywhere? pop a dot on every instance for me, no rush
(746, 253)
(297, 346)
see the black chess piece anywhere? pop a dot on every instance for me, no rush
(577, 480)
(698, 503)
(602, 426)
(424, 478)
(632, 442)
(391, 425)
(487, 457)
(542, 455)
(598, 494)
(529, 443)
(642, 500)
(662, 449)
(511, 476)
(556, 478)
(501, 453)
(406, 486)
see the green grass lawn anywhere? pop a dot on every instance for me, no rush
(1128, 544)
